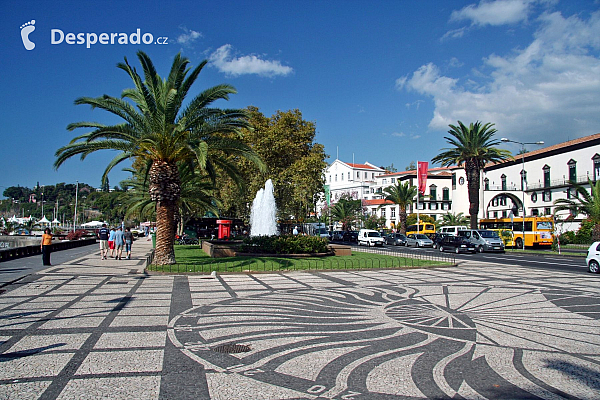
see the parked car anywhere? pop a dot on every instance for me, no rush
(452, 230)
(483, 239)
(396, 239)
(370, 237)
(350, 236)
(337, 235)
(437, 238)
(418, 240)
(593, 258)
(457, 244)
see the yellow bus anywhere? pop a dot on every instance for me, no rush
(425, 228)
(538, 230)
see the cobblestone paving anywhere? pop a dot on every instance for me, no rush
(103, 329)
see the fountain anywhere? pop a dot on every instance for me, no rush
(263, 221)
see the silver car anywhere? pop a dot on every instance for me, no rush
(418, 240)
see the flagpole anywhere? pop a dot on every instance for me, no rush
(418, 186)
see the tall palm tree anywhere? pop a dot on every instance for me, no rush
(402, 194)
(158, 129)
(473, 147)
(585, 202)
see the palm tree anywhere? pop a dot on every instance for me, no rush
(472, 149)
(402, 194)
(158, 129)
(587, 203)
(454, 219)
(345, 211)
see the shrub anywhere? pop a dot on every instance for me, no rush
(285, 244)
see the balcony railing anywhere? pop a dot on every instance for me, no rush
(556, 183)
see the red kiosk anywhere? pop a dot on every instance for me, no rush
(224, 228)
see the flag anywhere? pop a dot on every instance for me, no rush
(422, 167)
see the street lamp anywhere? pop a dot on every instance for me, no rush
(523, 181)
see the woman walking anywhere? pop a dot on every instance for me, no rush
(46, 246)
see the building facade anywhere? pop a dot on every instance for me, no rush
(531, 181)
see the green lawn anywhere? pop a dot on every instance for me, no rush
(191, 259)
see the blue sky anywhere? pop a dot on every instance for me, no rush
(381, 79)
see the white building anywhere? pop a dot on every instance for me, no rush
(547, 176)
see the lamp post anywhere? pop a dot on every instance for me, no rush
(522, 176)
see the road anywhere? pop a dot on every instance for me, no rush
(551, 261)
(13, 270)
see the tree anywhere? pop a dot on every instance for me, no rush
(411, 166)
(454, 219)
(472, 149)
(161, 132)
(411, 219)
(587, 203)
(285, 141)
(346, 211)
(402, 194)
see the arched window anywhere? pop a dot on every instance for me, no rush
(503, 179)
(546, 170)
(572, 170)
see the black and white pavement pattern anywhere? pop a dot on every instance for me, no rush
(94, 329)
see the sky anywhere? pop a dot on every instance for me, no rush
(382, 80)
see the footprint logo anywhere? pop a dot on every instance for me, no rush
(26, 29)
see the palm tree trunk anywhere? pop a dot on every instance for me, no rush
(402, 217)
(165, 189)
(473, 176)
(165, 233)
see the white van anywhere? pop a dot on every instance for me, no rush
(370, 237)
(452, 230)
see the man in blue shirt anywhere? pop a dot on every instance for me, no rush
(103, 237)
(119, 242)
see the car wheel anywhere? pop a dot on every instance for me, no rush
(519, 243)
(594, 267)
(456, 250)
(480, 249)
(418, 244)
(442, 249)
(434, 246)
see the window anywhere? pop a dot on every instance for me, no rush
(453, 181)
(393, 180)
(533, 197)
(547, 195)
(535, 212)
(569, 194)
(596, 160)
(348, 175)
(486, 184)
(461, 180)
(523, 180)
(433, 206)
(383, 212)
(329, 178)
(365, 175)
(495, 214)
(357, 175)
(342, 176)
(504, 215)
(547, 211)
(503, 178)
(384, 181)
(373, 175)
(572, 170)
(336, 177)
(446, 194)
(393, 212)
(433, 192)
(546, 170)
(503, 200)
(374, 211)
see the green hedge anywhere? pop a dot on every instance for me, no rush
(285, 244)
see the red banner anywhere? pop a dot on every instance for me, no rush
(422, 167)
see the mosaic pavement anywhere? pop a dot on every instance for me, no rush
(95, 329)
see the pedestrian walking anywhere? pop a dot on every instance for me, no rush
(118, 243)
(111, 242)
(128, 237)
(103, 235)
(46, 246)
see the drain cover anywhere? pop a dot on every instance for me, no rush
(232, 348)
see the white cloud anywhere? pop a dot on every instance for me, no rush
(548, 90)
(498, 12)
(225, 62)
(398, 134)
(189, 37)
